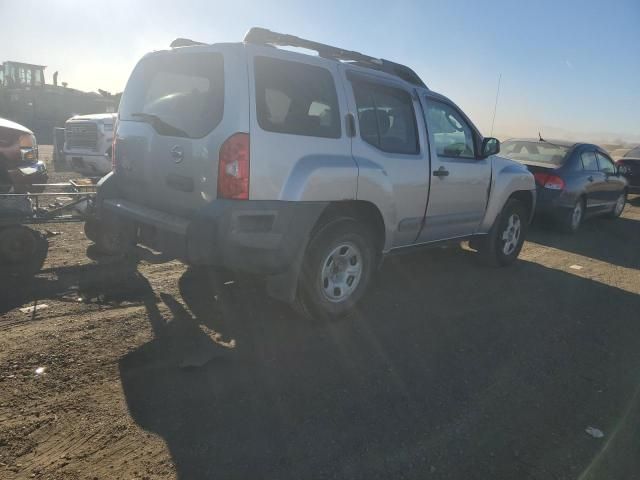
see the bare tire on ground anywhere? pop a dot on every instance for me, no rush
(337, 269)
(571, 219)
(504, 241)
(22, 251)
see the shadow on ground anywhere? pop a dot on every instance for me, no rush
(608, 240)
(448, 370)
(113, 280)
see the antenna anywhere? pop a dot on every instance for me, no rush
(495, 107)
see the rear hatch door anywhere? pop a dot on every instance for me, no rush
(173, 119)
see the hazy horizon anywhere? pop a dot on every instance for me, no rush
(568, 71)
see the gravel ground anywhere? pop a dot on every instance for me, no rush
(448, 370)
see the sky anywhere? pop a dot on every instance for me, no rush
(569, 69)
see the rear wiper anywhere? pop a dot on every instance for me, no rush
(160, 125)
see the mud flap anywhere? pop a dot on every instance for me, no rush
(284, 286)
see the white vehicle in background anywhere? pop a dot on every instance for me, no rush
(87, 143)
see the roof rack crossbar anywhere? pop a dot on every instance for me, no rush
(263, 36)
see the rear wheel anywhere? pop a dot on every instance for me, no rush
(112, 237)
(337, 269)
(92, 229)
(504, 241)
(571, 220)
(618, 208)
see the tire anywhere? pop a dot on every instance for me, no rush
(115, 238)
(22, 251)
(337, 268)
(503, 243)
(92, 229)
(570, 220)
(618, 208)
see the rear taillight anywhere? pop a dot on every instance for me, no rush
(114, 162)
(233, 167)
(550, 181)
(623, 168)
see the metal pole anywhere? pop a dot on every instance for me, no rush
(495, 107)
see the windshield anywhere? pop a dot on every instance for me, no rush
(531, 151)
(179, 94)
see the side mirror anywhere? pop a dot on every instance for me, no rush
(490, 146)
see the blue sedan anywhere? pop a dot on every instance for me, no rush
(574, 180)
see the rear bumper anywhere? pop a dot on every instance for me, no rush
(265, 237)
(633, 183)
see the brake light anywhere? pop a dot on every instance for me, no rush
(233, 167)
(114, 161)
(623, 168)
(550, 181)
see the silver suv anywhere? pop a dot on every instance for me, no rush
(308, 169)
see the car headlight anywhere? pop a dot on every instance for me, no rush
(28, 147)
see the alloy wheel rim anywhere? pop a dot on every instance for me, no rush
(620, 204)
(511, 234)
(341, 272)
(577, 215)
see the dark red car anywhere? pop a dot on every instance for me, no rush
(19, 164)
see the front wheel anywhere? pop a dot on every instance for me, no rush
(618, 208)
(337, 269)
(504, 241)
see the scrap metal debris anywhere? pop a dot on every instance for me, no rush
(34, 308)
(594, 432)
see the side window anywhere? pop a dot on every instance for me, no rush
(575, 164)
(589, 161)
(296, 98)
(452, 135)
(386, 118)
(606, 165)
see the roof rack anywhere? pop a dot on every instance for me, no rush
(262, 36)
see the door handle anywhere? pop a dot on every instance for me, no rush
(441, 172)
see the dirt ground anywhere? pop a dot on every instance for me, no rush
(448, 370)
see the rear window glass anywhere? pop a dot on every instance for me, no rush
(386, 118)
(180, 94)
(296, 98)
(538, 152)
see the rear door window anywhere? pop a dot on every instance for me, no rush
(575, 164)
(386, 117)
(296, 98)
(589, 161)
(179, 94)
